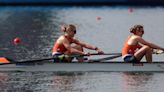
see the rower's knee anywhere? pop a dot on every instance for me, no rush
(78, 47)
(147, 48)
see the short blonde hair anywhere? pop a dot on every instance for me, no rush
(135, 28)
(68, 27)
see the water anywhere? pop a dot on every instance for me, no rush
(81, 82)
(38, 28)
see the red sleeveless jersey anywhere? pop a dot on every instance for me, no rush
(129, 49)
(60, 47)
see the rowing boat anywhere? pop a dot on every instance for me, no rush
(84, 67)
(98, 65)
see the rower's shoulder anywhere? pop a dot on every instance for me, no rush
(136, 37)
(62, 37)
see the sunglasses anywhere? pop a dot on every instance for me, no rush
(74, 31)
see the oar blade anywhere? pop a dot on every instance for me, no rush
(4, 60)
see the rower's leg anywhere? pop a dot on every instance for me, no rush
(145, 50)
(149, 55)
(80, 48)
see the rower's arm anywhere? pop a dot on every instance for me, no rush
(88, 46)
(85, 44)
(154, 46)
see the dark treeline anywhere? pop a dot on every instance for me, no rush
(80, 2)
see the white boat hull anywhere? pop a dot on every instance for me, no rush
(89, 67)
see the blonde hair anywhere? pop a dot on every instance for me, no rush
(135, 28)
(69, 27)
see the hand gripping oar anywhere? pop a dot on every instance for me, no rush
(158, 51)
(4, 60)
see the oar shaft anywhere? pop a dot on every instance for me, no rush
(106, 58)
(105, 54)
(11, 61)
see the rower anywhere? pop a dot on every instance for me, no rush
(136, 47)
(63, 45)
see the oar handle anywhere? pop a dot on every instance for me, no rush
(158, 51)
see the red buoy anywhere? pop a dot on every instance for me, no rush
(17, 40)
(130, 10)
(98, 18)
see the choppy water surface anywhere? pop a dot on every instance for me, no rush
(81, 82)
(104, 26)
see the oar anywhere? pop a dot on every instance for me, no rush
(4, 60)
(117, 55)
(109, 58)
(106, 58)
(158, 51)
(104, 54)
